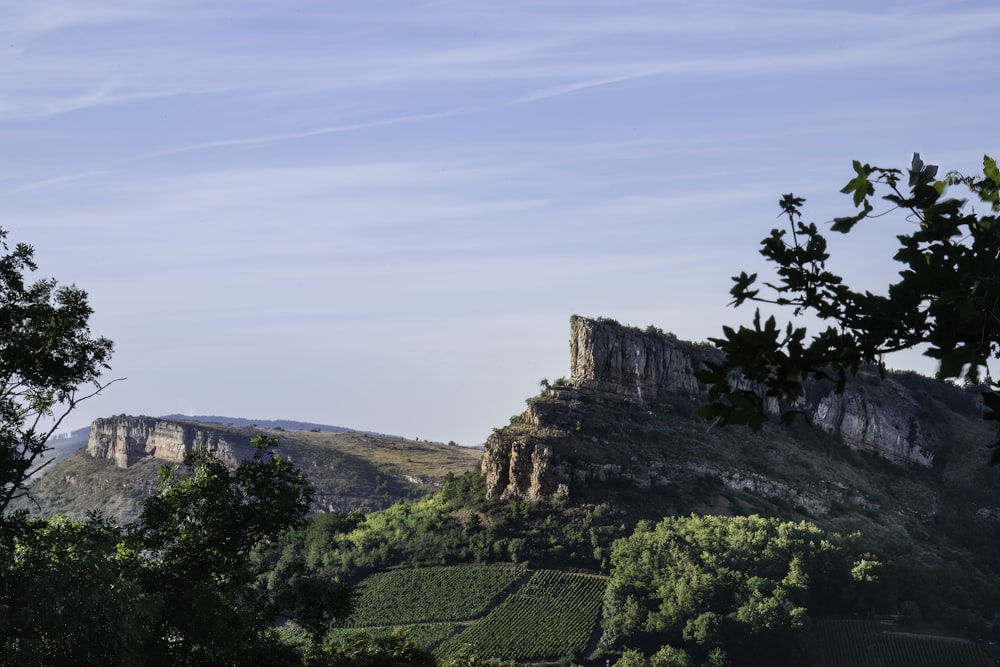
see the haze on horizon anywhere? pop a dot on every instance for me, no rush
(383, 216)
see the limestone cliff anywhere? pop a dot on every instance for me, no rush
(621, 361)
(625, 417)
(127, 440)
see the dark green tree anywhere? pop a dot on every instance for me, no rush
(744, 585)
(198, 531)
(946, 301)
(71, 594)
(364, 649)
(49, 363)
(177, 589)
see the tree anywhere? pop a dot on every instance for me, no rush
(71, 594)
(177, 589)
(47, 355)
(946, 302)
(741, 584)
(198, 531)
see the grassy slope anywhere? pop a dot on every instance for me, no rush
(348, 470)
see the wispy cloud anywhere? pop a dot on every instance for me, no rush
(50, 182)
(106, 95)
(556, 91)
(292, 136)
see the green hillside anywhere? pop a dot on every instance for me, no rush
(348, 470)
(851, 643)
(545, 616)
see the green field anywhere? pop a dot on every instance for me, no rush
(499, 610)
(553, 615)
(850, 643)
(433, 594)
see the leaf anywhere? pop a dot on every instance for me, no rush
(990, 169)
(791, 205)
(844, 225)
(859, 185)
(921, 172)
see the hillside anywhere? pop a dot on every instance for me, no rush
(349, 470)
(895, 471)
(623, 427)
(893, 474)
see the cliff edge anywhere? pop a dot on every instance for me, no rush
(127, 440)
(625, 419)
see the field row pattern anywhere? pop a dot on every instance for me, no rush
(429, 595)
(426, 635)
(552, 616)
(859, 644)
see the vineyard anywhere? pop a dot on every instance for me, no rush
(429, 595)
(425, 635)
(552, 616)
(861, 644)
(512, 613)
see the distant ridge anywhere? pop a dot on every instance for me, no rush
(287, 424)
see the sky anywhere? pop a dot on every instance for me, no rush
(381, 215)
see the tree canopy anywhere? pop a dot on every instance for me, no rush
(177, 588)
(47, 356)
(946, 302)
(744, 586)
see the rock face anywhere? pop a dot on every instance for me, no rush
(130, 439)
(890, 429)
(608, 358)
(524, 470)
(616, 421)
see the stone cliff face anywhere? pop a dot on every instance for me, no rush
(620, 361)
(127, 440)
(885, 423)
(574, 436)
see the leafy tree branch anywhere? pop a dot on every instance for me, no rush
(946, 301)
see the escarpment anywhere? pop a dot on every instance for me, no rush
(624, 419)
(348, 470)
(127, 440)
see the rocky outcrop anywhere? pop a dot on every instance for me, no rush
(617, 370)
(608, 358)
(886, 426)
(127, 440)
(526, 471)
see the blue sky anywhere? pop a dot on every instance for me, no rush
(382, 214)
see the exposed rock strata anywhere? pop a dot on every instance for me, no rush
(616, 370)
(130, 439)
(620, 361)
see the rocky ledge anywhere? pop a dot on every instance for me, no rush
(127, 439)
